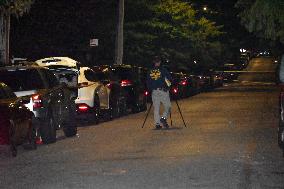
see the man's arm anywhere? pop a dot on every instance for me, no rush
(167, 74)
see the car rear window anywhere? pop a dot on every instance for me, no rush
(124, 73)
(22, 79)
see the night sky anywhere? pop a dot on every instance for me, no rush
(64, 28)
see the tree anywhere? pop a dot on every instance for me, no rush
(264, 18)
(8, 8)
(170, 28)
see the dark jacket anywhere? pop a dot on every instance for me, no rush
(156, 78)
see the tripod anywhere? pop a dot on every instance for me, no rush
(170, 114)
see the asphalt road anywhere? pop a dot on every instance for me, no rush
(230, 142)
(260, 70)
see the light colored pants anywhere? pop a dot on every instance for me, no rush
(158, 97)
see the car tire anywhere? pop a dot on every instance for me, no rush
(13, 146)
(32, 136)
(95, 116)
(118, 105)
(144, 105)
(113, 111)
(70, 125)
(135, 108)
(122, 105)
(14, 150)
(48, 130)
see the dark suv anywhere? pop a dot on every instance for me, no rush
(131, 81)
(51, 103)
(117, 94)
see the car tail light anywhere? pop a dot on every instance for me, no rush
(175, 90)
(146, 93)
(109, 85)
(183, 82)
(37, 103)
(126, 82)
(83, 107)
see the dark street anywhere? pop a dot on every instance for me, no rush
(230, 142)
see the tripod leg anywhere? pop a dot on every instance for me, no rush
(180, 114)
(147, 115)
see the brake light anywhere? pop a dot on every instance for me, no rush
(37, 103)
(146, 93)
(184, 82)
(175, 90)
(126, 82)
(109, 85)
(83, 107)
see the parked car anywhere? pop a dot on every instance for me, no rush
(92, 96)
(51, 103)
(131, 81)
(15, 121)
(116, 93)
(216, 79)
(184, 85)
(230, 73)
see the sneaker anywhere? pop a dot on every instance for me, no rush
(164, 122)
(158, 126)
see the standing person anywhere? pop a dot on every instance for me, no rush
(160, 92)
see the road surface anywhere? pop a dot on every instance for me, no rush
(230, 142)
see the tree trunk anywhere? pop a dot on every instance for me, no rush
(119, 34)
(4, 37)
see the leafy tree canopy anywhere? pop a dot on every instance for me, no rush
(15, 7)
(171, 28)
(264, 18)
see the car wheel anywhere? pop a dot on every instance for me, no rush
(13, 147)
(118, 106)
(135, 108)
(70, 125)
(144, 105)
(95, 116)
(32, 136)
(14, 150)
(115, 108)
(48, 130)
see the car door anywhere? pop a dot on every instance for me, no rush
(20, 117)
(100, 89)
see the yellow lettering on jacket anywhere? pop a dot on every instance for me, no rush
(155, 74)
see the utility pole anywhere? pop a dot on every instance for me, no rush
(119, 34)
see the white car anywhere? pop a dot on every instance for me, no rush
(92, 96)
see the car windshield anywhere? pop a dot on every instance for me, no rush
(22, 80)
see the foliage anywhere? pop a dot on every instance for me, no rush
(16, 7)
(264, 18)
(170, 28)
